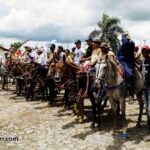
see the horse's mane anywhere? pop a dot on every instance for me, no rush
(115, 69)
(73, 66)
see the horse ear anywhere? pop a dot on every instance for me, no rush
(106, 57)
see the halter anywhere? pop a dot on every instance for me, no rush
(117, 85)
(98, 72)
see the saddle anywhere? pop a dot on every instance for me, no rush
(121, 70)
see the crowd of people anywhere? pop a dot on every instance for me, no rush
(129, 56)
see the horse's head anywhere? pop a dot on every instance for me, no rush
(106, 71)
(101, 72)
(57, 70)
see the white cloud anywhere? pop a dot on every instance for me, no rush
(69, 19)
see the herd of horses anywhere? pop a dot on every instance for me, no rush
(106, 84)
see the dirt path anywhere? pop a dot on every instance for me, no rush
(39, 127)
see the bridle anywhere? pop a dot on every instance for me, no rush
(117, 85)
(97, 74)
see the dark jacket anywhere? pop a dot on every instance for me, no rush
(126, 52)
(146, 72)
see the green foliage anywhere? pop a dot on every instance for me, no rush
(16, 45)
(1, 44)
(108, 30)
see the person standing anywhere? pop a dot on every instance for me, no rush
(79, 52)
(68, 56)
(87, 56)
(146, 75)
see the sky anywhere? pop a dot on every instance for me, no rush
(68, 20)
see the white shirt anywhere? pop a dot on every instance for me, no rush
(40, 59)
(62, 54)
(3, 58)
(78, 54)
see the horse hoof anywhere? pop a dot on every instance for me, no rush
(147, 138)
(81, 120)
(74, 112)
(138, 125)
(77, 120)
(92, 125)
(50, 104)
(112, 132)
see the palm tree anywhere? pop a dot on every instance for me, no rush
(109, 29)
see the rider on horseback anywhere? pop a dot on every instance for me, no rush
(146, 75)
(126, 57)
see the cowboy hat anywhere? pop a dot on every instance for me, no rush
(97, 41)
(104, 45)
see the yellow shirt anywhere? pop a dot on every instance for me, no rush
(111, 56)
(69, 58)
(95, 53)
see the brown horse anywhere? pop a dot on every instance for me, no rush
(69, 75)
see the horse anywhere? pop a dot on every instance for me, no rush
(39, 75)
(64, 75)
(76, 84)
(108, 72)
(98, 97)
(4, 76)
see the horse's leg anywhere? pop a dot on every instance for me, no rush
(105, 99)
(123, 110)
(3, 84)
(118, 109)
(27, 93)
(147, 101)
(77, 107)
(141, 106)
(13, 82)
(114, 110)
(7, 82)
(66, 97)
(32, 90)
(19, 86)
(51, 86)
(16, 85)
(81, 109)
(99, 109)
(149, 110)
(94, 110)
(43, 93)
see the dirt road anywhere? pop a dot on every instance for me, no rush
(36, 126)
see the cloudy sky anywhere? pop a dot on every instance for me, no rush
(68, 20)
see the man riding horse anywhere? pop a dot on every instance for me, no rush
(126, 57)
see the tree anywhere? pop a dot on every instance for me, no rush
(1, 44)
(108, 30)
(16, 45)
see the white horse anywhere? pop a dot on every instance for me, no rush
(108, 71)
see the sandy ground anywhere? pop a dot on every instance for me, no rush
(40, 127)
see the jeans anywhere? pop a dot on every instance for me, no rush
(147, 100)
(93, 70)
(129, 76)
